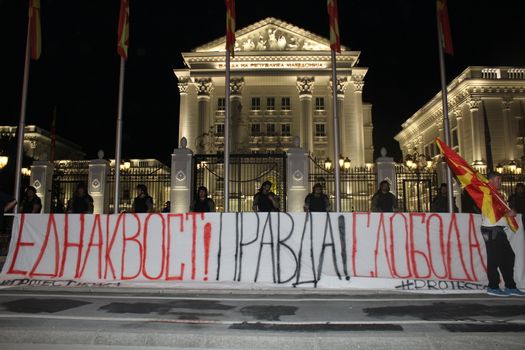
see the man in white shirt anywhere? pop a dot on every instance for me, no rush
(499, 252)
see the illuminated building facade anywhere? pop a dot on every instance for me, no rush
(280, 89)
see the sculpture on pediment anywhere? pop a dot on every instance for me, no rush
(293, 44)
(272, 39)
(281, 43)
(261, 44)
(248, 45)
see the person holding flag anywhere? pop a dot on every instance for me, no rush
(499, 252)
(496, 218)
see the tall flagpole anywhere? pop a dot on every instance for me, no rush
(336, 134)
(444, 100)
(22, 122)
(118, 145)
(227, 134)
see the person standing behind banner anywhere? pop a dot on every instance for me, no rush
(81, 202)
(31, 204)
(517, 201)
(440, 203)
(384, 200)
(317, 201)
(143, 203)
(265, 200)
(499, 252)
(202, 203)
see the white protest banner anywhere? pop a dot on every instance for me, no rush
(246, 250)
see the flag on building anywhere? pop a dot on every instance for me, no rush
(487, 198)
(35, 33)
(230, 26)
(335, 42)
(123, 29)
(444, 26)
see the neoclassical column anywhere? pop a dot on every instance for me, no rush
(509, 131)
(477, 130)
(359, 132)
(184, 106)
(204, 90)
(459, 125)
(344, 128)
(238, 125)
(305, 87)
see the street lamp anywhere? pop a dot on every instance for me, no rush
(344, 162)
(125, 165)
(328, 164)
(417, 161)
(499, 168)
(25, 171)
(3, 161)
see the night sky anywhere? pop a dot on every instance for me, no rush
(78, 69)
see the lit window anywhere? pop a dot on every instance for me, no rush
(285, 103)
(270, 103)
(221, 103)
(270, 129)
(256, 103)
(286, 130)
(319, 103)
(256, 129)
(220, 129)
(320, 130)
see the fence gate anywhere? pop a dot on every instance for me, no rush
(247, 173)
(66, 175)
(415, 189)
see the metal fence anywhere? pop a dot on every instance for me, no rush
(247, 172)
(66, 175)
(358, 185)
(153, 174)
(415, 189)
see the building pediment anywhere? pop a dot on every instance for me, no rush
(271, 34)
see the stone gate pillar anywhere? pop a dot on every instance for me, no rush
(97, 183)
(181, 178)
(297, 165)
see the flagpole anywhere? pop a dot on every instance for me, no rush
(227, 135)
(118, 145)
(22, 122)
(336, 134)
(444, 100)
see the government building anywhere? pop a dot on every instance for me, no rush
(280, 89)
(495, 92)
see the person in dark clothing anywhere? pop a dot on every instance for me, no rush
(317, 201)
(440, 203)
(143, 203)
(499, 252)
(7, 203)
(202, 203)
(517, 201)
(31, 204)
(467, 204)
(265, 200)
(81, 202)
(384, 200)
(167, 207)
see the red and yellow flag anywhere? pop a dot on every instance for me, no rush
(333, 17)
(123, 29)
(444, 26)
(486, 197)
(230, 26)
(35, 34)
